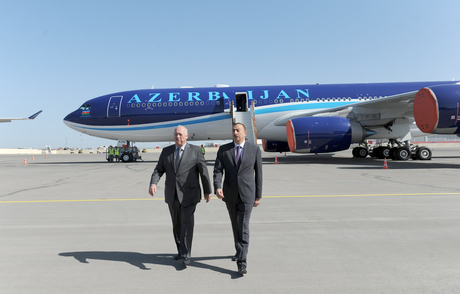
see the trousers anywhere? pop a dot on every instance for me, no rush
(240, 214)
(183, 221)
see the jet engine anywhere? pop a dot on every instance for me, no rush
(436, 109)
(275, 146)
(322, 134)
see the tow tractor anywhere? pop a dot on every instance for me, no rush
(128, 152)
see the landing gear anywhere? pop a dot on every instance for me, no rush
(381, 152)
(402, 153)
(394, 150)
(422, 153)
(360, 152)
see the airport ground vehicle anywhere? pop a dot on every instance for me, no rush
(128, 152)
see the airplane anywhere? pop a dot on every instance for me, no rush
(33, 116)
(311, 118)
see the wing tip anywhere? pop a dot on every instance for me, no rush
(35, 115)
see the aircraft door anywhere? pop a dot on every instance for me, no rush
(241, 101)
(114, 106)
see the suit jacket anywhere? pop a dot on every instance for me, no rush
(245, 180)
(186, 179)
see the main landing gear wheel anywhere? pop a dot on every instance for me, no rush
(385, 152)
(402, 153)
(381, 152)
(360, 152)
(393, 153)
(423, 153)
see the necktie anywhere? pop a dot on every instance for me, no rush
(238, 156)
(178, 156)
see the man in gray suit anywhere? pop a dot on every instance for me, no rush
(241, 162)
(183, 164)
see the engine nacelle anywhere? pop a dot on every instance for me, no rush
(436, 109)
(275, 146)
(322, 134)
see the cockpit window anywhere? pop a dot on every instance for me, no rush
(85, 107)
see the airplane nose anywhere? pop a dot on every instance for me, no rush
(71, 117)
(68, 118)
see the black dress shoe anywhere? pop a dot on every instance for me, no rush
(242, 269)
(186, 261)
(177, 257)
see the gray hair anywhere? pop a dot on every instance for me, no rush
(179, 126)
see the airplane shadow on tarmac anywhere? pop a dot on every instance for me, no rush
(364, 163)
(140, 259)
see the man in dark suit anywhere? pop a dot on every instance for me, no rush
(241, 162)
(183, 164)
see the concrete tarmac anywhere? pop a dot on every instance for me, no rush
(327, 224)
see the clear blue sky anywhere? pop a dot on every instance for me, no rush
(54, 55)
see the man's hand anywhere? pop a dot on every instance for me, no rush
(257, 202)
(152, 190)
(220, 193)
(207, 197)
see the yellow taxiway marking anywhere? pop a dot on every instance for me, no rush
(293, 196)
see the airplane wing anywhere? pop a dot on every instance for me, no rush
(378, 112)
(33, 116)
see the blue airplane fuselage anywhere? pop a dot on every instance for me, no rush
(151, 115)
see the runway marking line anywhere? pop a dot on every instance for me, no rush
(294, 196)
